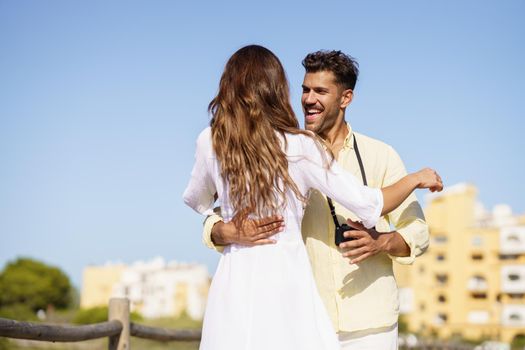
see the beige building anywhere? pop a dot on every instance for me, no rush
(154, 288)
(471, 281)
(98, 283)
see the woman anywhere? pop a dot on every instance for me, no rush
(256, 161)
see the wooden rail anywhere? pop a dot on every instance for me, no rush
(118, 329)
(46, 332)
(426, 345)
(164, 334)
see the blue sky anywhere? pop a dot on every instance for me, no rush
(101, 102)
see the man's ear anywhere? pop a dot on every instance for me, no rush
(346, 97)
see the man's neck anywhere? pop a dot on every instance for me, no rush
(336, 136)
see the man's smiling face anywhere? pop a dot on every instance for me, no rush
(321, 101)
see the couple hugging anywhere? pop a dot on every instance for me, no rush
(285, 196)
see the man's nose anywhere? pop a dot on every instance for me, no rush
(309, 98)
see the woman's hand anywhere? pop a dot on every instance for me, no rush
(249, 233)
(429, 178)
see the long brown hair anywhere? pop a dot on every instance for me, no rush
(250, 109)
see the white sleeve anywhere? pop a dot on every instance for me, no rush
(200, 192)
(339, 184)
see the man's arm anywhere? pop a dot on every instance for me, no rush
(369, 242)
(411, 237)
(217, 233)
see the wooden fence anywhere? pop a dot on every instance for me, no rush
(118, 328)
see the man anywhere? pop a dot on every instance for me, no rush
(361, 296)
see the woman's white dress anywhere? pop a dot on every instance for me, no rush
(265, 297)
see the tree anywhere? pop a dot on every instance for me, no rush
(33, 285)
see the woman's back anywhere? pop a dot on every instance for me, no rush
(309, 167)
(264, 297)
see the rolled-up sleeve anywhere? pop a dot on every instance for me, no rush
(207, 228)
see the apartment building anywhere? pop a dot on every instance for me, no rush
(471, 281)
(155, 288)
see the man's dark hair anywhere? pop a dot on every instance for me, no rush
(343, 66)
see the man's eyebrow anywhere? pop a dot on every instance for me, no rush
(316, 88)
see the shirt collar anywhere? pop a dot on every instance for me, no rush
(349, 140)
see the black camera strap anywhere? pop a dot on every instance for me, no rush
(363, 175)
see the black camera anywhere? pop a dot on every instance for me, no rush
(339, 234)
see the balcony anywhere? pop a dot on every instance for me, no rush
(478, 317)
(440, 319)
(477, 284)
(512, 240)
(513, 315)
(513, 279)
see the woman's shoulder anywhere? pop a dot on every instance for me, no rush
(302, 136)
(204, 141)
(299, 144)
(205, 135)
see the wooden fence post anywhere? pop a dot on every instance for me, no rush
(119, 310)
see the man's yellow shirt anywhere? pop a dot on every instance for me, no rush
(364, 295)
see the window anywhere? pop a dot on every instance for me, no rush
(440, 239)
(440, 257)
(477, 256)
(442, 299)
(516, 295)
(515, 317)
(442, 279)
(440, 318)
(478, 278)
(513, 238)
(479, 295)
(513, 277)
(508, 256)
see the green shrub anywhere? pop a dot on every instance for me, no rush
(518, 343)
(402, 324)
(98, 314)
(19, 312)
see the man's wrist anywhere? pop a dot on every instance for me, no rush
(385, 240)
(393, 244)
